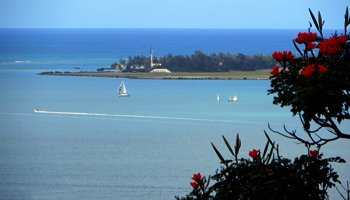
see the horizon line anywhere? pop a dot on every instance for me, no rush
(167, 28)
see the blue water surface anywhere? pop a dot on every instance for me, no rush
(102, 47)
(87, 143)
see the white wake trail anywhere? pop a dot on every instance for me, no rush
(143, 117)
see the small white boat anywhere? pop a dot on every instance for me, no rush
(36, 110)
(218, 98)
(122, 90)
(233, 99)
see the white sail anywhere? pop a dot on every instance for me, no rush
(122, 90)
(234, 98)
(218, 98)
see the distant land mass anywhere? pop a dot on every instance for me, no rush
(232, 75)
(197, 62)
(198, 66)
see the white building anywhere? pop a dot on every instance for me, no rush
(160, 70)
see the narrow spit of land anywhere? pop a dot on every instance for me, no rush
(233, 75)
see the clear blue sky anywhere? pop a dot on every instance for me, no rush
(289, 14)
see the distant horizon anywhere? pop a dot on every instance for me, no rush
(313, 29)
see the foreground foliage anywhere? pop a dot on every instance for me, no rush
(267, 175)
(315, 85)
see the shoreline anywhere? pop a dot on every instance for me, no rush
(233, 75)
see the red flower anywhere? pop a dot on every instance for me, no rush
(285, 56)
(255, 154)
(342, 39)
(330, 47)
(308, 39)
(194, 185)
(304, 38)
(197, 177)
(308, 71)
(322, 69)
(275, 71)
(197, 180)
(313, 153)
(310, 46)
(288, 56)
(278, 56)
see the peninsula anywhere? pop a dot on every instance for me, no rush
(232, 75)
(198, 66)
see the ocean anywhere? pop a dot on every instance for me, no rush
(87, 143)
(102, 47)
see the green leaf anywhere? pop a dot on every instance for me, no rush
(310, 26)
(296, 46)
(346, 16)
(347, 20)
(314, 19)
(228, 145)
(278, 152)
(269, 139)
(320, 22)
(265, 149)
(269, 156)
(208, 182)
(218, 153)
(238, 145)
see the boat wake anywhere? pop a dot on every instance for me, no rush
(143, 117)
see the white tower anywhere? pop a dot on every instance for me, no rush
(151, 56)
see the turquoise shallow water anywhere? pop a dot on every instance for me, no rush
(146, 146)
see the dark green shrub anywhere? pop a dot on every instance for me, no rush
(267, 176)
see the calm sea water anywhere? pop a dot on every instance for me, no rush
(89, 144)
(102, 47)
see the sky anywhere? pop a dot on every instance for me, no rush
(222, 14)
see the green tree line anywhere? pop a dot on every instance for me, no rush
(201, 62)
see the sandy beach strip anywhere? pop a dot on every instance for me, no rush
(233, 75)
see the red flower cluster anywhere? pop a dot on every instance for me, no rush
(342, 39)
(311, 68)
(333, 45)
(275, 71)
(305, 38)
(197, 180)
(310, 46)
(255, 154)
(322, 69)
(285, 56)
(313, 153)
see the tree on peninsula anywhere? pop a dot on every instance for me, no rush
(201, 62)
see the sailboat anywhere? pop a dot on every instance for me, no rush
(122, 90)
(233, 99)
